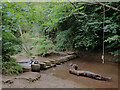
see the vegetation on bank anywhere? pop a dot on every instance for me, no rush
(41, 27)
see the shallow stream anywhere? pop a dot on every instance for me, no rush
(107, 69)
(60, 74)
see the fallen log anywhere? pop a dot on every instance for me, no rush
(74, 70)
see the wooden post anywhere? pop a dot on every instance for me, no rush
(103, 61)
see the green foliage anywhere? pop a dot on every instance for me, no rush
(11, 46)
(83, 28)
(77, 32)
(60, 26)
(41, 45)
(113, 38)
(10, 18)
(11, 67)
(113, 45)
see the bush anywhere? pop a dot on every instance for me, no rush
(41, 45)
(11, 67)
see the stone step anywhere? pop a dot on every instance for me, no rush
(26, 67)
(48, 63)
(45, 64)
(42, 66)
(48, 67)
(35, 67)
(53, 65)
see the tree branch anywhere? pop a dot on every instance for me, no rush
(113, 8)
(73, 4)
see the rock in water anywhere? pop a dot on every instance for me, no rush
(35, 67)
(26, 67)
(33, 57)
(48, 63)
(42, 66)
(36, 62)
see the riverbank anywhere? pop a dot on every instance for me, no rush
(59, 77)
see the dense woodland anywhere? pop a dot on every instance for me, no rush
(61, 26)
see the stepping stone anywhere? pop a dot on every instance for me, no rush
(48, 63)
(26, 67)
(73, 56)
(35, 67)
(52, 61)
(71, 53)
(48, 67)
(42, 66)
(24, 61)
(63, 59)
(33, 57)
(58, 62)
(69, 57)
(53, 65)
(36, 62)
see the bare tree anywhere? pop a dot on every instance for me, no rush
(23, 45)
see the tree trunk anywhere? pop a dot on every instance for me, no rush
(23, 45)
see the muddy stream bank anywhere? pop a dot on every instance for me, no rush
(107, 69)
(59, 77)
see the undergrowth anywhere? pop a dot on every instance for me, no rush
(11, 67)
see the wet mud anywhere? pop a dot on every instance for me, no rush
(59, 76)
